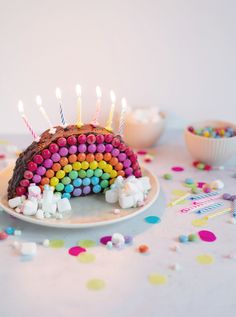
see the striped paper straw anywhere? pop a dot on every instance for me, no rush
(205, 195)
(210, 207)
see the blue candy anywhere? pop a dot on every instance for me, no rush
(189, 181)
(97, 189)
(183, 239)
(77, 182)
(69, 188)
(95, 180)
(86, 181)
(10, 230)
(66, 195)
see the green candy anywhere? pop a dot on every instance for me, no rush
(82, 173)
(73, 174)
(192, 237)
(105, 176)
(66, 180)
(195, 190)
(104, 183)
(167, 176)
(98, 172)
(201, 166)
(60, 187)
(89, 173)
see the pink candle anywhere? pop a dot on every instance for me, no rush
(26, 121)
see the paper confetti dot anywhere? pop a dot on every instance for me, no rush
(205, 259)
(86, 257)
(178, 192)
(152, 219)
(199, 222)
(207, 236)
(95, 284)
(177, 169)
(56, 244)
(157, 279)
(105, 239)
(86, 243)
(75, 251)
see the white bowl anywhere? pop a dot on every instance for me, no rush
(211, 151)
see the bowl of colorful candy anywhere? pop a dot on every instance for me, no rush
(211, 142)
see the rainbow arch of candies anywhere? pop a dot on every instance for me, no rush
(80, 165)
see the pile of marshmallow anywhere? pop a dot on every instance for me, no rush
(129, 192)
(45, 205)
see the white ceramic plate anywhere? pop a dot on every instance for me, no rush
(88, 211)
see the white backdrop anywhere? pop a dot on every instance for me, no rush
(178, 54)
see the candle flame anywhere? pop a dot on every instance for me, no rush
(113, 96)
(38, 100)
(20, 106)
(98, 92)
(58, 93)
(78, 90)
(124, 103)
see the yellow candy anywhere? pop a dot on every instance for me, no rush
(206, 134)
(93, 165)
(60, 174)
(113, 173)
(76, 166)
(54, 181)
(108, 168)
(67, 168)
(85, 165)
(102, 164)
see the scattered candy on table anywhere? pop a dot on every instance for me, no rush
(143, 248)
(202, 166)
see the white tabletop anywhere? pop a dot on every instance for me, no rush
(53, 283)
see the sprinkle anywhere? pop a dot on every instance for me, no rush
(56, 244)
(205, 259)
(142, 152)
(157, 279)
(86, 257)
(183, 238)
(207, 236)
(75, 251)
(143, 248)
(152, 219)
(177, 169)
(95, 284)
(105, 239)
(86, 243)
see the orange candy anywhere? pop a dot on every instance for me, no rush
(107, 156)
(56, 167)
(44, 181)
(63, 161)
(112, 181)
(50, 173)
(90, 157)
(113, 161)
(72, 158)
(143, 248)
(81, 157)
(98, 157)
(118, 166)
(121, 173)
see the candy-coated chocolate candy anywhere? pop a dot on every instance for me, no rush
(97, 188)
(10, 231)
(137, 173)
(113, 161)
(73, 149)
(108, 168)
(36, 179)
(71, 140)
(101, 148)
(56, 166)
(95, 180)
(38, 159)
(86, 181)
(127, 163)
(98, 172)
(82, 139)
(89, 173)
(86, 190)
(28, 175)
(115, 152)
(77, 192)
(119, 167)
(20, 190)
(82, 148)
(76, 166)
(122, 157)
(24, 183)
(66, 180)
(32, 166)
(100, 138)
(91, 138)
(105, 176)
(50, 173)
(63, 161)
(56, 157)
(108, 148)
(81, 157)
(122, 147)
(128, 171)
(104, 183)
(60, 174)
(121, 173)
(135, 165)
(93, 165)
(90, 157)
(98, 157)
(45, 181)
(77, 182)
(82, 173)
(61, 141)
(63, 151)
(66, 195)
(108, 138)
(46, 154)
(69, 188)
(41, 170)
(113, 174)
(129, 151)
(85, 165)
(3, 235)
(92, 148)
(183, 238)
(53, 148)
(206, 188)
(59, 187)
(107, 156)
(133, 158)
(48, 163)
(73, 174)
(102, 164)
(67, 168)
(116, 142)
(72, 158)
(54, 181)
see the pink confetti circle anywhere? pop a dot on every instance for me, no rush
(207, 236)
(105, 239)
(177, 169)
(75, 251)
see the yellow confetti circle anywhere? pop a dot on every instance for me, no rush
(86, 243)
(56, 244)
(199, 222)
(95, 284)
(86, 257)
(157, 279)
(205, 259)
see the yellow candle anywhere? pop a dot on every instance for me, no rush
(110, 119)
(95, 122)
(79, 106)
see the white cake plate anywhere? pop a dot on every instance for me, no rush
(87, 211)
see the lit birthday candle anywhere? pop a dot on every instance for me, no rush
(26, 121)
(58, 96)
(79, 108)
(98, 107)
(44, 114)
(110, 119)
(122, 116)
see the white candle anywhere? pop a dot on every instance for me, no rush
(26, 121)
(44, 114)
(58, 96)
(110, 119)
(98, 107)
(122, 116)
(79, 106)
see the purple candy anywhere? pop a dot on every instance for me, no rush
(128, 171)
(127, 163)
(56, 157)
(48, 163)
(77, 192)
(86, 189)
(92, 148)
(41, 170)
(227, 196)
(122, 157)
(82, 148)
(233, 197)
(36, 179)
(73, 149)
(63, 151)
(109, 148)
(128, 239)
(115, 152)
(101, 148)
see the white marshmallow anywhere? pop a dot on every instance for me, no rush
(30, 208)
(63, 205)
(217, 184)
(56, 197)
(145, 181)
(118, 240)
(49, 208)
(111, 196)
(28, 248)
(126, 201)
(18, 210)
(40, 214)
(46, 243)
(116, 211)
(34, 192)
(15, 202)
